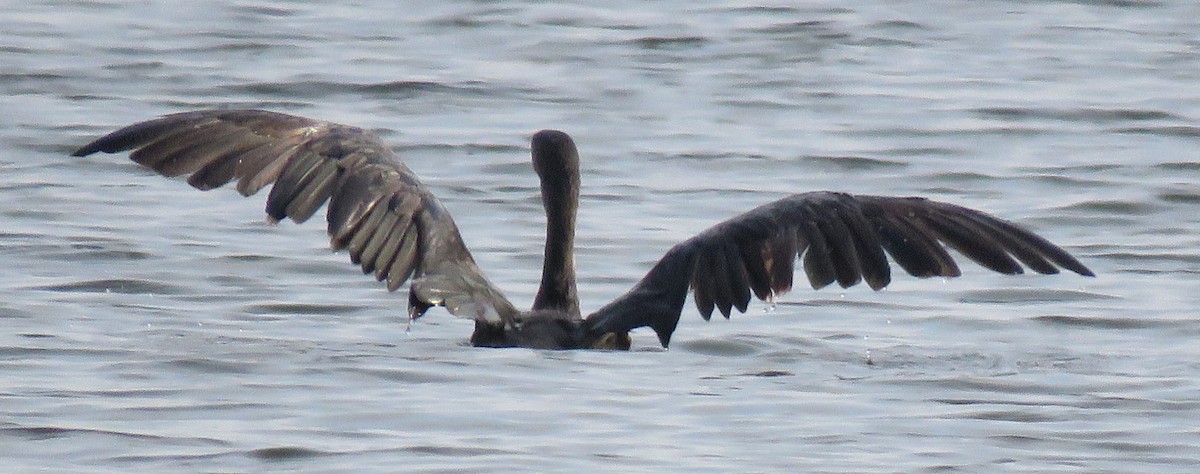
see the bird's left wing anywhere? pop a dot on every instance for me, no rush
(378, 210)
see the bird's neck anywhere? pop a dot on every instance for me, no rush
(560, 196)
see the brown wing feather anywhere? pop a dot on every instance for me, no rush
(839, 237)
(390, 224)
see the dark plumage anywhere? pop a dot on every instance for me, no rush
(394, 228)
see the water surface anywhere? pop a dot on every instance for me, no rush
(150, 327)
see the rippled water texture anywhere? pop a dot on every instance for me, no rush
(149, 327)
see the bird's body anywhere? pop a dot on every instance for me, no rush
(396, 229)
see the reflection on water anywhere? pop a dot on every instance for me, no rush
(152, 327)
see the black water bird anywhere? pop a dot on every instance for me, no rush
(393, 227)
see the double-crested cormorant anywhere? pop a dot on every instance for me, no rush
(392, 226)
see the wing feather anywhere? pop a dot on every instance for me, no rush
(758, 276)
(703, 285)
(818, 262)
(872, 263)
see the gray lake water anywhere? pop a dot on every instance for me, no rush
(149, 327)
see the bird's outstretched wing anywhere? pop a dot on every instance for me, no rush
(379, 211)
(839, 237)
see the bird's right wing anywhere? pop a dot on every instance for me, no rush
(378, 211)
(840, 237)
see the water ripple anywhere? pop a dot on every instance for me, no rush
(1113, 206)
(116, 285)
(1076, 115)
(285, 453)
(1024, 295)
(45, 433)
(1181, 131)
(1139, 322)
(304, 308)
(317, 88)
